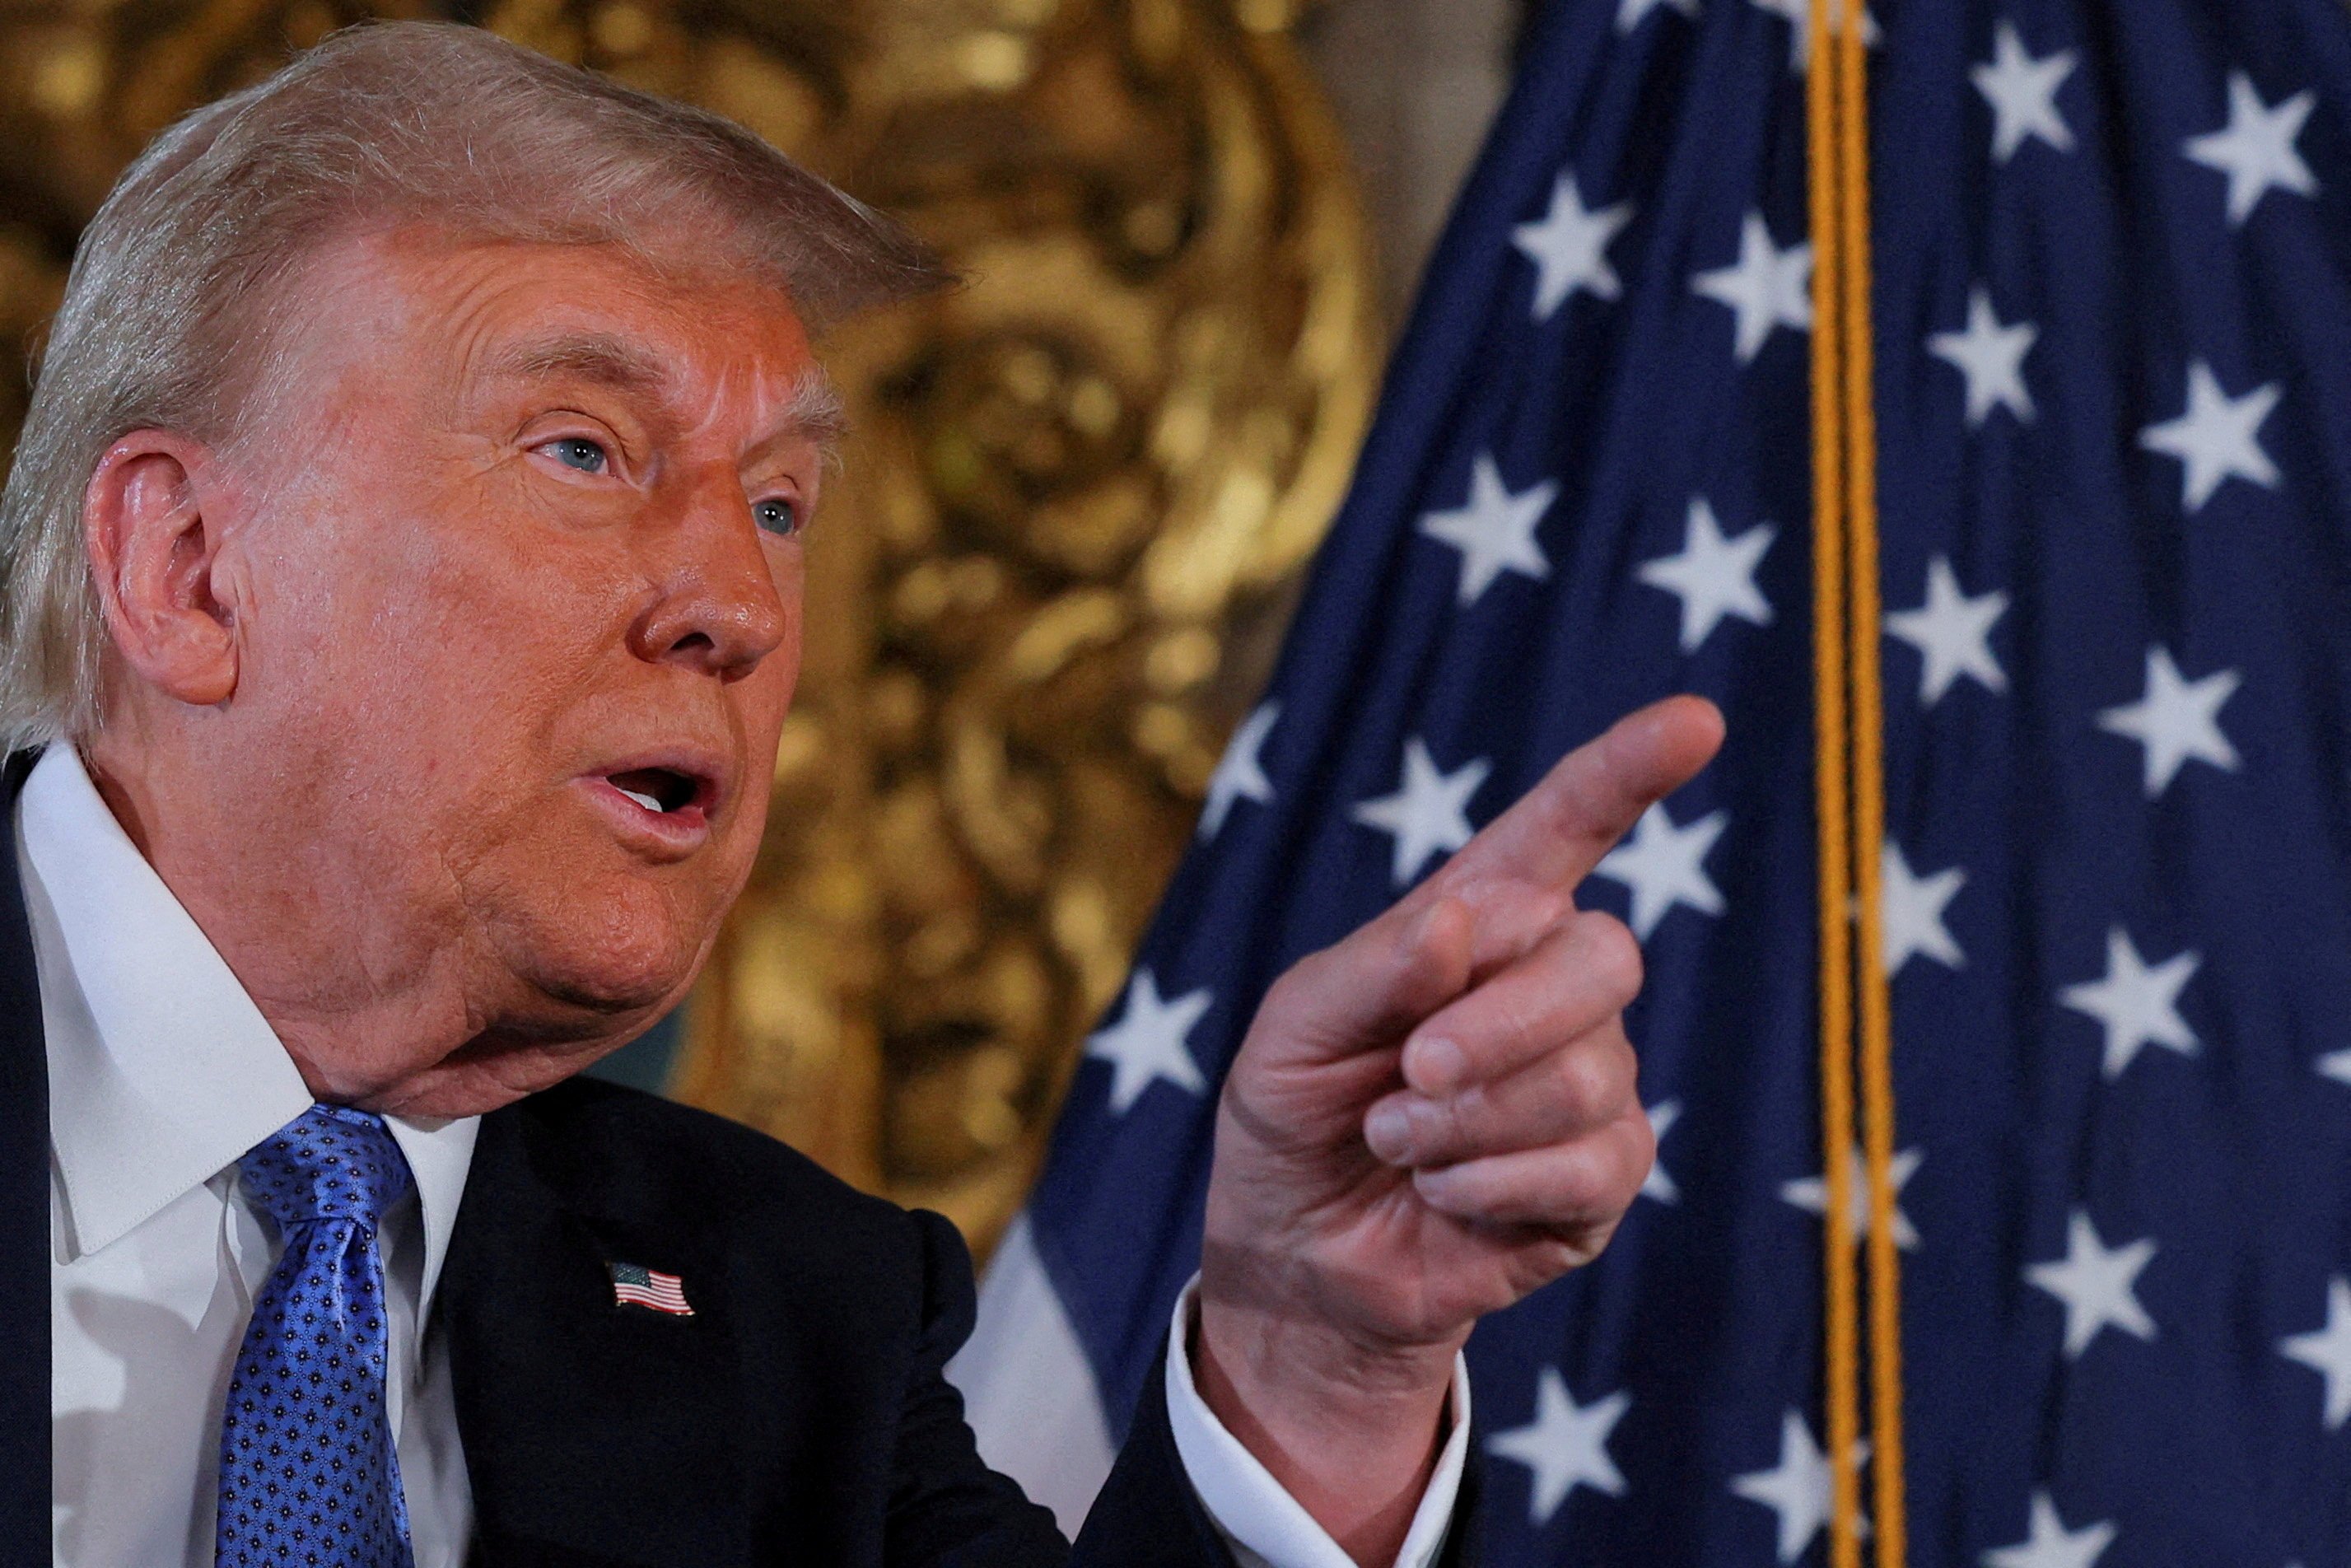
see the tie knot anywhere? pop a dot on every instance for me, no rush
(328, 1163)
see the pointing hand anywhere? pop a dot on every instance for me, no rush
(1426, 1123)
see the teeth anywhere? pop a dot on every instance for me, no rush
(647, 801)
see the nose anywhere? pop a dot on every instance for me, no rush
(717, 607)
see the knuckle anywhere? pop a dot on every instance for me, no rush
(1584, 1243)
(1631, 1154)
(1641, 1148)
(1612, 955)
(1588, 1186)
(1593, 1085)
(1422, 958)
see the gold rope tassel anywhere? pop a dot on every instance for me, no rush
(1865, 616)
(1831, 805)
(1850, 793)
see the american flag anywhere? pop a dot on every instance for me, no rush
(634, 1285)
(2113, 324)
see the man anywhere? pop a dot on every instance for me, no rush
(402, 583)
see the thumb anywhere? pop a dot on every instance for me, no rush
(1369, 990)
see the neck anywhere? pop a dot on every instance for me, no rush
(358, 1003)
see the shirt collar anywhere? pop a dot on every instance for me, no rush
(439, 1153)
(163, 1072)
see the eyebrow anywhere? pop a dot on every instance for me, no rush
(814, 409)
(590, 356)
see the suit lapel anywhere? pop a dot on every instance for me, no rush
(24, 1527)
(593, 1432)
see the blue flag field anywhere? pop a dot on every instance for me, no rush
(2113, 330)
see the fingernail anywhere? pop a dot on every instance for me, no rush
(1434, 1065)
(1388, 1130)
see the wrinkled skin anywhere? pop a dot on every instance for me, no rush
(375, 657)
(517, 521)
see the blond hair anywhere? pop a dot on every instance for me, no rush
(164, 321)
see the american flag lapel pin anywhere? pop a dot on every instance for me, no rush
(634, 1285)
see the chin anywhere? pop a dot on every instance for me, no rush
(610, 950)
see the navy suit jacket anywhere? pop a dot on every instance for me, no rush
(799, 1416)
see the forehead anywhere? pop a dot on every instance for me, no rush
(484, 311)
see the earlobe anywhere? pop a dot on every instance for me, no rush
(154, 544)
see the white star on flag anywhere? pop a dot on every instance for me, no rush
(2177, 721)
(1810, 1194)
(2328, 1351)
(2048, 1544)
(1659, 1183)
(1148, 1042)
(1565, 1447)
(1713, 576)
(1952, 633)
(2336, 1064)
(1631, 12)
(1991, 357)
(2218, 439)
(1494, 530)
(1664, 865)
(1428, 814)
(2094, 1282)
(2256, 149)
(1912, 913)
(1798, 15)
(1570, 247)
(1241, 773)
(1765, 287)
(2022, 92)
(2136, 1006)
(1799, 1489)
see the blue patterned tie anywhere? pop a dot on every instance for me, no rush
(307, 1472)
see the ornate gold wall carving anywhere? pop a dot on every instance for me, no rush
(1077, 494)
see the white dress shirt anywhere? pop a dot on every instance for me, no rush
(163, 1074)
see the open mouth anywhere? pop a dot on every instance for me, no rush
(663, 802)
(661, 790)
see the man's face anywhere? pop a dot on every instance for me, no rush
(522, 587)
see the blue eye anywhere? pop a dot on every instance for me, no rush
(778, 516)
(579, 452)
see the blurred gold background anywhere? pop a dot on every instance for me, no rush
(1077, 493)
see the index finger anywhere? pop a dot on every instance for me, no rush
(1558, 831)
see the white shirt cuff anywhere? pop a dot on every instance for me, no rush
(1264, 1525)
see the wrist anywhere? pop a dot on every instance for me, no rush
(1351, 1431)
(1322, 1374)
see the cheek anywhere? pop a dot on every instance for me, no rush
(478, 599)
(789, 570)
(764, 697)
(448, 679)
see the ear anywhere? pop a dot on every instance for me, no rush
(154, 551)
